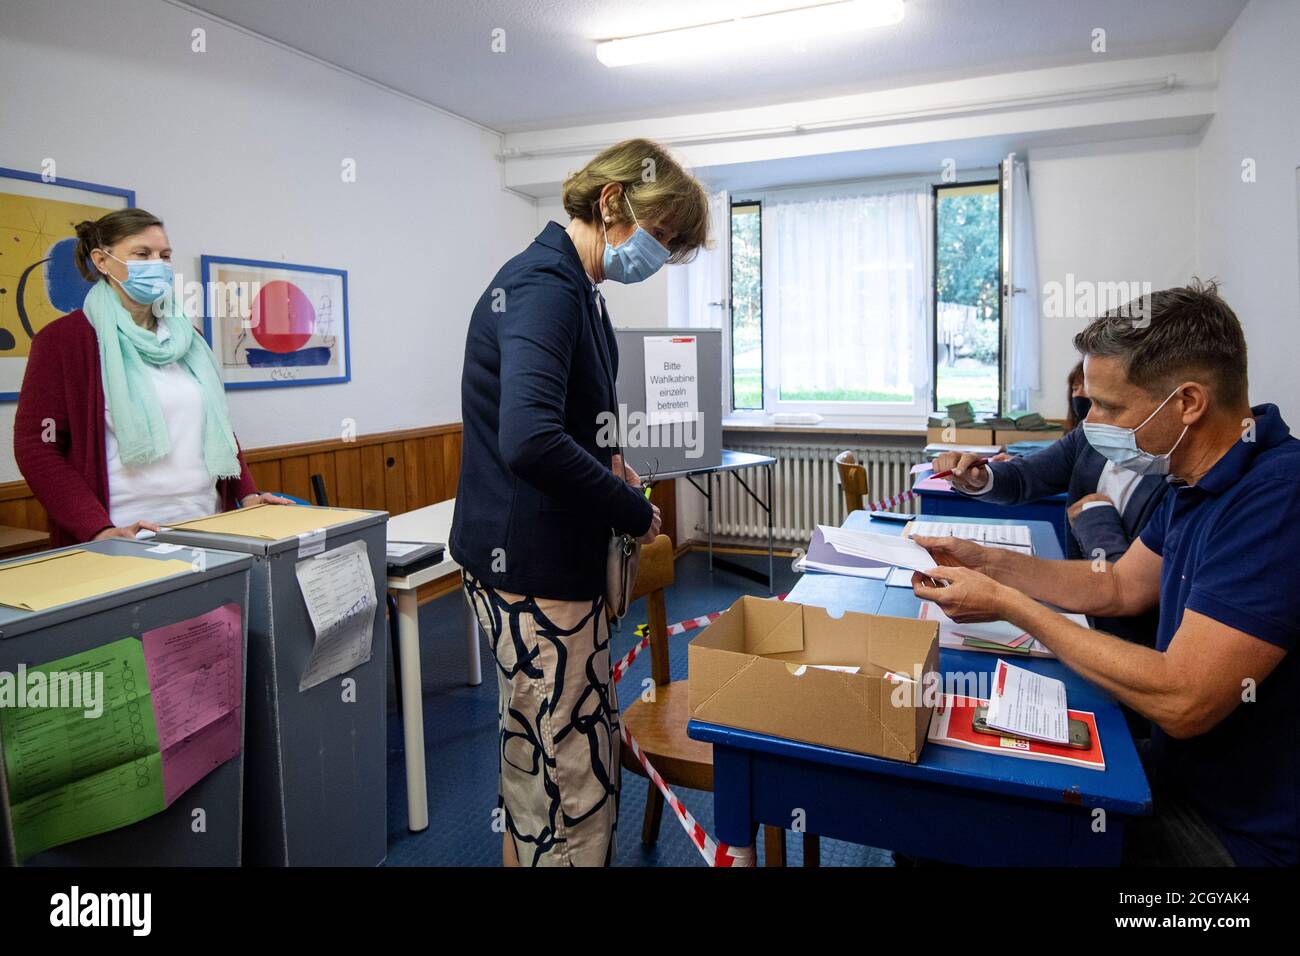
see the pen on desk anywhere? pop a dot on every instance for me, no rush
(973, 464)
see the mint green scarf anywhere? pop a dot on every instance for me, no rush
(124, 350)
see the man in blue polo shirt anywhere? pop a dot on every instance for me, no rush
(1168, 386)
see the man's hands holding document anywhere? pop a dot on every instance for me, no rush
(960, 583)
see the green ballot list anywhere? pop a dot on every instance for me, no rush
(70, 775)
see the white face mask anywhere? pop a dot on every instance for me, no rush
(1120, 444)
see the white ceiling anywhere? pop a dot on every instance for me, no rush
(440, 50)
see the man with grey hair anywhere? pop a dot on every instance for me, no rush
(1222, 685)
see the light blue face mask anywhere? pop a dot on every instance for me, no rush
(1120, 445)
(639, 257)
(147, 280)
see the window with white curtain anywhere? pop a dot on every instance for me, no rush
(846, 300)
(830, 301)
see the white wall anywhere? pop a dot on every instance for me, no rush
(638, 306)
(1248, 231)
(239, 149)
(1108, 213)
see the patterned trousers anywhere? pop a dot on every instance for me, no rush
(558, 753)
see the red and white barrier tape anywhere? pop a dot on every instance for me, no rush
(681, 627)
(621, 667)
(888, 504)
(704, 620)
(714, 853)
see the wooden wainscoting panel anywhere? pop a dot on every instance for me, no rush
(372, 476)
(347, 478)
(266, 474)
(294, 477)
(424, 469)
(395, 477)
(450, 458)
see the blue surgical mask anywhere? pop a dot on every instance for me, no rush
(147, 280)
(639, 257)
(1120, 445)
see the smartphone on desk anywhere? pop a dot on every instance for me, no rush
(1080, 736)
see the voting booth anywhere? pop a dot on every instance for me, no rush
(122, 706)
(316, 754)
(670, 393)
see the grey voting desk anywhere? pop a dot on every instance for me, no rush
(31, 638)
(317, 763)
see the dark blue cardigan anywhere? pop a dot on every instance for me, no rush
(537, 500)
(1072, 465)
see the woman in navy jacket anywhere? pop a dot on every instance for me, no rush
(541, 489)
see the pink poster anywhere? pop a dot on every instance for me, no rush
(196, 680)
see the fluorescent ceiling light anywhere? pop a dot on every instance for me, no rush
(782, 26)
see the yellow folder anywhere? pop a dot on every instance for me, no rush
(271, 522)
(48, 581)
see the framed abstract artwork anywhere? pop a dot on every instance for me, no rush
(274, 324)
(39, 280)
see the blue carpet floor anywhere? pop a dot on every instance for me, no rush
(460, 739)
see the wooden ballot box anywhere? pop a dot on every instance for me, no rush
(122, 705)
(316, 756)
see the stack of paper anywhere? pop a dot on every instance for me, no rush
(822, 556)
(1012, 537)
(988, 636)
(952, 725)
(1023, 422)
(867, 549)
(1028, 705)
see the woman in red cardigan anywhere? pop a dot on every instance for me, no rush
(122, 422)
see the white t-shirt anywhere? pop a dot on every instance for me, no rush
(177, 487)
(1117, 484)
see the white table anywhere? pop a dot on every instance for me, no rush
(432, 524)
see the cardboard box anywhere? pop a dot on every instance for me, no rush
(961, 435)
(745, 672)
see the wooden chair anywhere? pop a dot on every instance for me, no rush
(853, 479)
(660, 727)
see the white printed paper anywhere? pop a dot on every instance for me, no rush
(886, 548)
(1025, 704)
(672, 392)
(339, 589)
(1012, 537)
(400, 549)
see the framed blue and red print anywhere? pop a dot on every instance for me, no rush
(276, 324)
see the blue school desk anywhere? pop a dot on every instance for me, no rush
(954, 504)
(954, 805)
